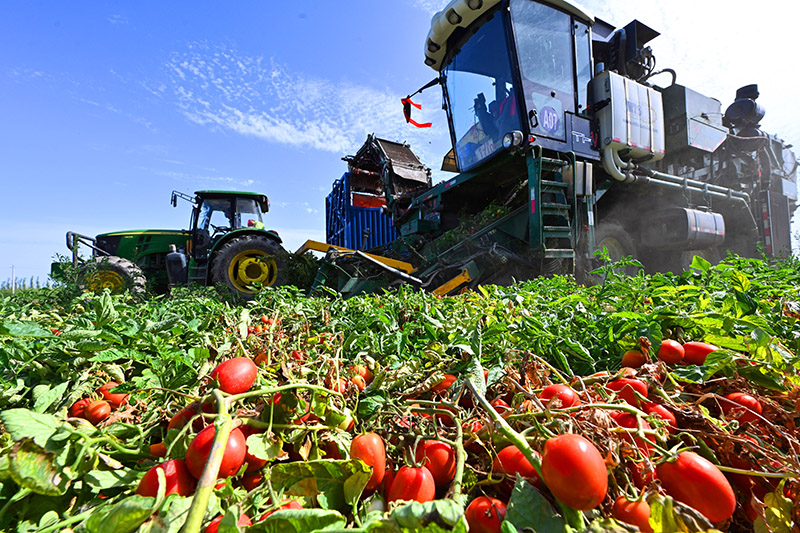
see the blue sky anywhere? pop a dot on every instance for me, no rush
(106, 107)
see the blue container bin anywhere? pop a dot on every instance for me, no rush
(356, 220)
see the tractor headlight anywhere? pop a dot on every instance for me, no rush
(512, 140)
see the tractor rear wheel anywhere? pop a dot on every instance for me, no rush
(249, 263)
(116, 274)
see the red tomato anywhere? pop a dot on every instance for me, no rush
(78, 409)
(235, 375)
(200, 447)
(182, 417)
(340, 387)
(628, 421)
(447, 420)
(412, 483)
(510, 461)
(364, 372)
(565, 396)
(251, 481)
(114, 399)
(445, 384)
(485, 514)
(574, 471)
(501, 406)
(359, 382)
(97, 411)
(671, 351)
(267, 320)
(741, 406)
(213, 526)
(625, 387)
(633, 359)
(440, 458)
(158, 450)
(695, 481)
(695, 353)
(287, 505)
(663, 413)
(369, 448)
(179, 481)
(388, 477)
(636, 513)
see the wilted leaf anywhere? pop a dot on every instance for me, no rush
(33, 468)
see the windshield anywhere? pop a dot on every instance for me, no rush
(482, 102)
(216, 215)
(544, 47)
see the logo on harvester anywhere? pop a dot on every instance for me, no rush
(549, 119)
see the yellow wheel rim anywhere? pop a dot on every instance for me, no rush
(252, 269)
(105, 279)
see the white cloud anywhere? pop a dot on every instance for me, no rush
(198, 180)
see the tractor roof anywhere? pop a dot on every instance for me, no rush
(262, 199)
(460, 14)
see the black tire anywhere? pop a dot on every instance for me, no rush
(618, 242)
(116, 274)
(246, 264)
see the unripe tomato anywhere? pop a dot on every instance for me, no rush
(236, 375)
(114, 399)
(510, 461)
(445, 384)
(440, 458)
(695, 353)
(564, 394)
(741, 406)
(633, 359)
(78, 409)
(179, 480)
(213, 526)
(636, 513)
(200, 447)
(695, 481)
(626, 388)
(671, 351)
(574, 471)
(485, 514)
(97, 411)
(369, 448)
(412, 483)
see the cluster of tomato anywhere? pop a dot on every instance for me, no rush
(95, 409)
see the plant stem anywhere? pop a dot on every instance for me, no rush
(205, 485)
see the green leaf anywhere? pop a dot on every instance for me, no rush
(438, 516)
(474, 373)
(33, 468)
(669, 516)
(264, 446)
(24, 329)
(334, 484)
(122, 517)
(48, 397)
(778, 512)
(105, 311)
(22, 424)
(108, 479)
(698, 263)
(302, 521)
(527, 508)
(116, 354)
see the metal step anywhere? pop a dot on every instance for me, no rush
(558, 231)
(557, 163)
(549, 207)
(553, 184)
(562, 253)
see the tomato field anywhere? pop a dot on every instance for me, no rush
(503, 409)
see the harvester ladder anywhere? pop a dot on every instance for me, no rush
(557, 233)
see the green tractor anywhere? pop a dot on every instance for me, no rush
(225, 245)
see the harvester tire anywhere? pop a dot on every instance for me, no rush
(617, 242)
(116, 274)
(248, 263)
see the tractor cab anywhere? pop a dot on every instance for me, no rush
(512, 72)
(217, 213)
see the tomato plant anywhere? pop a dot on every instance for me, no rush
(695, 481)
(574, 471)
(232, 459)
(369, 447)
(485, 514)
(235, 375)
(412, 483)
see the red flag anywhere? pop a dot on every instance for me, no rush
(407, 103)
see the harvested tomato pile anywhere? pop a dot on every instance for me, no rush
(664, 404)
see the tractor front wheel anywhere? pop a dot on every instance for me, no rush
(116, 274)
(249, 263)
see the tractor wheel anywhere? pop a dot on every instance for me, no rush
(114, 273)
(248, 263)
(612, 236)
